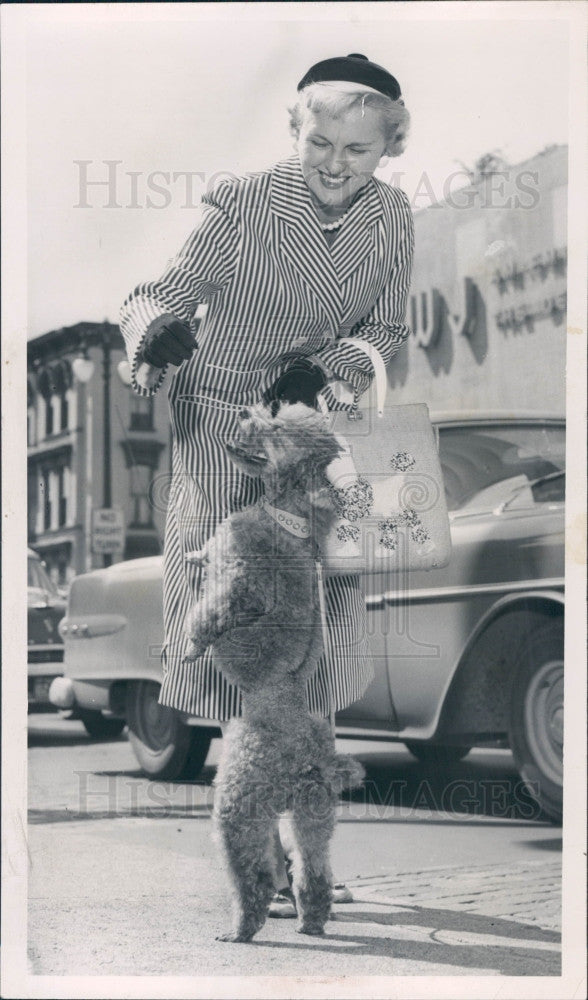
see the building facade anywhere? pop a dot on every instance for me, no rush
(487, 306)
(72, 471)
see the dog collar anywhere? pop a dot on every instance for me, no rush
(294, 523)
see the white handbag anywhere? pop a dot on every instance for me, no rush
(388, 486)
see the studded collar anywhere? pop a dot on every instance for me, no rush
(294, 523)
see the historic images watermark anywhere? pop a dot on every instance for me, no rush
(111, 795)
(107, 184)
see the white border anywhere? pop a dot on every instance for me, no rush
(15, 982)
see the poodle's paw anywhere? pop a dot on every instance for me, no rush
(198, 645)
(236, 936)
(308, 927)
(197, 632)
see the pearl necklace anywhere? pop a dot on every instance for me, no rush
(294, 523)
(328, 227)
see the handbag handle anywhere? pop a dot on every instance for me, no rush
(379, 368)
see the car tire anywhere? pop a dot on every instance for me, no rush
(433, 753)
(536, 716)
(101, 727)
(164, 747)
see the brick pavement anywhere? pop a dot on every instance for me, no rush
(528, 893)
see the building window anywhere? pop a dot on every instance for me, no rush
(63, 412)
(72, 408)
(32, 491)
(55, 499)
(31, 413)
(31, 426)
(141, 413)
(142, 514)
(55, 381)
(49, 422)
(62, 491)
(46, 494)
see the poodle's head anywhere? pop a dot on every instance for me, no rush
(289, 449)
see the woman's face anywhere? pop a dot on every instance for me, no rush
(339, 155)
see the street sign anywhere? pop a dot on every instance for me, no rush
(108, 530)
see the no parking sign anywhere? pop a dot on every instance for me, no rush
(108, 530)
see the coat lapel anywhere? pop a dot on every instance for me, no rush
(355, 241)
(301, 239)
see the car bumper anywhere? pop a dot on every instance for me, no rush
(61, 693)
(67, 693)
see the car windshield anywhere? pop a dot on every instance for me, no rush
(484, 465)
(38, 577)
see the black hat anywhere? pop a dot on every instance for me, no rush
(353, 68)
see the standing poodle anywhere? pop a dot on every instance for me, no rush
(259, 609)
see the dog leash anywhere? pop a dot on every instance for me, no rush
(326, 637)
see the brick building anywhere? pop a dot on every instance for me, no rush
(68, 465)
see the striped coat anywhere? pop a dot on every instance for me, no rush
(274, 290)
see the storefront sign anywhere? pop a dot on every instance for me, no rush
(527, 314)
(429, 308)
(518, 276)
(517, 315)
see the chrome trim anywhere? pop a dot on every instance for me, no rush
(344, 732)
(468, 418)
(95, 626)
(374, 601)
(45, 647)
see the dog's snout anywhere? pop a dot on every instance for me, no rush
(244, 413)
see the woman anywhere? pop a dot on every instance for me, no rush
(287, 260)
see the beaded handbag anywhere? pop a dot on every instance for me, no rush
(388, 486)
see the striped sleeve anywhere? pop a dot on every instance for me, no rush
(202, 268)
(384, 325)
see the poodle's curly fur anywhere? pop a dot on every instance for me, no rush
(258, 608)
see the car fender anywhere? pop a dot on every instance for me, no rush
(113, 630)
(476, 696)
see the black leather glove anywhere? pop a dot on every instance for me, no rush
(300, 383)
(167, 341)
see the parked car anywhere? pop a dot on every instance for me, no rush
(468, 655)
(45, 609)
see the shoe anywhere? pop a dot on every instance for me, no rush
(341, 894)
(283, 904)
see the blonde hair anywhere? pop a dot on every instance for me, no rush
(327, 97)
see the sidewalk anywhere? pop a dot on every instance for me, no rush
(133, 897)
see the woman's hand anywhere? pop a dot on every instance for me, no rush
(300, 383)
(167, 342)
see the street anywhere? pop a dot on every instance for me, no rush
(451, 870)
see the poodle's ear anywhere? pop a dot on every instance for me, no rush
(325, 450)
(251, 463)
(321, 498)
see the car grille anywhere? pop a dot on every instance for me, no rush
(46, 655)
